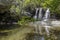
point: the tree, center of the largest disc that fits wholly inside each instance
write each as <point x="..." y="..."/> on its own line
<point x="52" y="4"/>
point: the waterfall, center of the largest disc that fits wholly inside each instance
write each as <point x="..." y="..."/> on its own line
<point x="46" y="20"/>
<point x="35" y="17"/>
<point x="47" y="15"/>
<point x="40" y="14"/>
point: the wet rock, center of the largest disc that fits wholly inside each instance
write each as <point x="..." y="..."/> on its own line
<point x="55" y="23"/>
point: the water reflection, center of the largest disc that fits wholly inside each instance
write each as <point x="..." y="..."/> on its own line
<point x="34" y="36"/>
<point x="8" y="26"/>
<point x="5" y="29"/>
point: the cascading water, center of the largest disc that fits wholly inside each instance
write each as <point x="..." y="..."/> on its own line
<point x="38" y="16"/>
<point x="35" y="17"/>
<point x="36" y="30"/>
<point x="47" y="15"/>
<point x="46" y="20"/>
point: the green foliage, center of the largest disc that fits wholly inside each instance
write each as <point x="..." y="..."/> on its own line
<point x="52" y="4"/>
<point x="34" y="3"/>
<point x="25" y="20"/>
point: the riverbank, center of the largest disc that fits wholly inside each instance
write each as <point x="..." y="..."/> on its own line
<point x="18" y="33"/>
